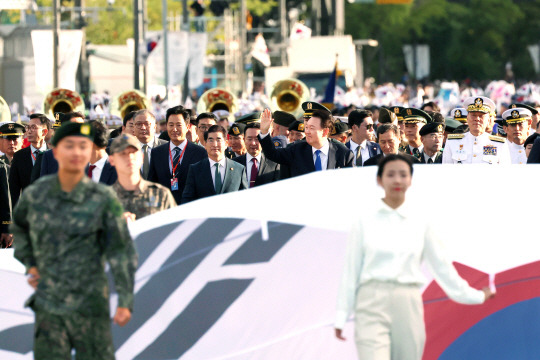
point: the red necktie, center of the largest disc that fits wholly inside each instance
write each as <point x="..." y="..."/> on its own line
<point x="91" y="170"/>
<point x="254" y="172"/>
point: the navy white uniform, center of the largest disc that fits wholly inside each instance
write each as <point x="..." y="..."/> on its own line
<point x="469" y="149"/>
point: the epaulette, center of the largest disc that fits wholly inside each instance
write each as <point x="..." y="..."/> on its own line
<point x="7" y="222"/>
<point x="455" y="136"/>
<point x="497" y="138"/>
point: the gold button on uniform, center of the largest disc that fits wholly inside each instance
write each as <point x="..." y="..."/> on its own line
<point x="474" y="155"/>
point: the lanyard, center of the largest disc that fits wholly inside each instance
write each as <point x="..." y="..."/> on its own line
<point x="34" y="156"/>
<point x="180" y="158"/>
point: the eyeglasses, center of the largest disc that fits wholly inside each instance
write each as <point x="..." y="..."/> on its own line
<point x="204" y="127"/>
<point x="32" y="127"/>
<point x="140" y="125"/>
<point x="216" y="141"/>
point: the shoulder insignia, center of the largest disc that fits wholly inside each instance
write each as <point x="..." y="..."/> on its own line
<point x="455" y="136"/>
<point x="497" y="138"/>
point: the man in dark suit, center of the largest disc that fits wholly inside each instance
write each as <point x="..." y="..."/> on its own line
<point x="100" y="169"/>
<point x="259" y="169"/>
<point x="315" y="154"/>
<point x="215" y="174"/>
<point x="389" y="140"/>
<point x="432" y="135"/>
<point x="170" y="162"/>
<point x="361" y="124"/>
<point x="145" y="132"/>
<point x="45" y="162"/>
<point x="24" y="159"/>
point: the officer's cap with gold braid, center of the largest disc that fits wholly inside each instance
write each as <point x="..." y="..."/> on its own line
<point x="459" y="114"/>
<point x="249" y="118"/>
<point x="283" y="118"/>
<point x="479" y="104"/>
<point x="432" y="128"/>
<point x="516" y="115"/>
<point x="73" y="129"/>
<point x="11" y="130"/>
<point x="398" y="110"/>
<point x="310" y="106"/>
<point x="525" y="106"/>
<point x="413" y="115"/>
<point x="340" y="128"/>
<point x="297" y="126"/>
<point x="237" y="129"/>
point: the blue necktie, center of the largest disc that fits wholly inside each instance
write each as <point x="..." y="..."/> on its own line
<point x="318" y="164"/>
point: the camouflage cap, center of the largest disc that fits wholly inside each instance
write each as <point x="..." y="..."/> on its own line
<point x="122" y="142"/>
<point x="72" y="129"/>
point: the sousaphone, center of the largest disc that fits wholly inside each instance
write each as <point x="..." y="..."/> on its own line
<point x="5" y="112"/>
<point x="64" y="101"/>
<point x="217" y="99"/>
<point x="128" y="101"/>
<point x="288" y="95"/>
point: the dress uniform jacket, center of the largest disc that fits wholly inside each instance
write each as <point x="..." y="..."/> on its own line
<point x="469" y="149"/>
<point x="375" y="160"/>
<point x="534" y="155"/>
<point x="299" y="156"/>
<point x="424" y="158"/>
<point x="517" y="153"/>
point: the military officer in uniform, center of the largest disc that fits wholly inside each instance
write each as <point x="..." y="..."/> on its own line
<point x="138" y="196"/>
<point x="432" y="135"/>
<point x="11" y="135"/>
<point x="459" y="114"/>
<point x="309" y="107"/>
<point x="535" y="116"/>
<point x="414" y="120"/>
<point x="237" y="145"/>
<point x="5" y="207"/>
<point x="516" y="127"/>
<point x="296" y="131"/>
<point x="280" y="130"/>
<point x="399" y="111"/>
<point x="476" y="146"/>
<point x="65" y="227"/>
<point x="341" y="132"/>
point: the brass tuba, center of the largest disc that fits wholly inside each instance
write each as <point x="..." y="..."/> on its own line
<point x="5" y="111"/>
<point x="129" y="101"/>
<point x="62" y="100"/>
<point x="288" y="95"/>
<point x="217" y="99"/>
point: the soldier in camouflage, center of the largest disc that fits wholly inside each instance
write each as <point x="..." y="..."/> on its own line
<point x="138" y="196"/>
<point x="65" y="227"/>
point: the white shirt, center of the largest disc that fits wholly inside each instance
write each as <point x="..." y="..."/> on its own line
<point x="222" y="170"/>
<point x="470" y="149"/>
<point x="43" y="148"/>
<point x="323" y="155"/>
<point x="517" y="153"/>
<point x="171" y="155"/>
<point x="249" y="165"/>
<point x="363" y="150"/>
<point x="389" y="245"/>
<point x="96" y="173"/>
<point x="410" y="149"/>
<point x="149" y="150"/>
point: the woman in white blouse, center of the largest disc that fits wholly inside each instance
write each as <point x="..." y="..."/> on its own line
<point x="382" y="276"/>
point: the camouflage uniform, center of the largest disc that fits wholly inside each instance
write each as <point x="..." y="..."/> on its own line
<point x="149" y="198"/>
<point x="68" y="237"/>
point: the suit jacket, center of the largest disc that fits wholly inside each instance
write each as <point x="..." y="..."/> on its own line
<point x="199" y="182"/>
<point x="108" y="174"/>
<point x="375" y="160"/>
<point x="438" y="158"/>
<point x="49" y="165"/>
<point x="159" y="166"/>
<point x="269" y="171"/>
<point x="373" y="148"/>
<point x="299" y="155"/>
<point x="20" y="173"/>
<point x="534" y="155"/>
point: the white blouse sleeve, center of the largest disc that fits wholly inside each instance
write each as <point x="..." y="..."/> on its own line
<point x="445" y="273"/>
<point x="351" y="276"/>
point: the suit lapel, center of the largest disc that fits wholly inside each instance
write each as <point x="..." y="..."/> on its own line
<point x="231" y="169"/>
<point x="207" y="174"/>
<point x="331" y="156"/>
<point x="262" y="166"/>
<point x="308" y="156"/>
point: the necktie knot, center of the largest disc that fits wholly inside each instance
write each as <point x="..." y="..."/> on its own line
<point x="91" y="170"/>
<point x="254" y="160"/>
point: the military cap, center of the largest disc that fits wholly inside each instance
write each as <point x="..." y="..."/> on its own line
<point x="11" y="130"/>
<point x="339" y="128"/>
<point x="524" y="106"/>
<point x="237" y="129"/>
<point x="72" y="129"/>
<point x="530" y="139"/>
<point x="221" y="114"/>
<point x="58" y="119"/>
<point x="249" y="118"/>
<point x="122" y="142"/>
<point x="413" y="115"/>
<point x="297" y="126"/>
<point x="431" y="128"/>
<point x="515" y="115"/>
<point x="451" y="124"/>
<point x="399" y="111"/>
<point x="480" y="104"/>
<point x="283" y="118"/>
<point x="459" y="114"/>
<point x="386" y="116"/>
<point x="310" y="106"/>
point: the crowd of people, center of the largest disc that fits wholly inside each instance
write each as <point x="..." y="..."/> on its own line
<point x="146" y="166"/>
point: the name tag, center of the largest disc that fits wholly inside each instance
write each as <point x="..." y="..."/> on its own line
<point x="490" y="150"/>
<point x="174" y="183"/>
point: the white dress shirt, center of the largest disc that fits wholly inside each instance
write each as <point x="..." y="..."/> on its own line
<point x="96" y="173"/>
<point x="43" y="148"/>
<point x="149" y="150"/>
<point x="517" y="153"/>
<point x="323" y="155"/>
<point x="389" y="245"/>
<point x="171" y="154"/>
<point x="470" y="149"/>
<point x="249" y="165"/>
<point x="222" y="170"/>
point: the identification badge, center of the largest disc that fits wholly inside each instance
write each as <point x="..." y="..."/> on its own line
<point x="490" y="150"/>
<point x="174" y="184"/>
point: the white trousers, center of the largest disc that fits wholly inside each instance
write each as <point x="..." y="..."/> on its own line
<point x="389" y="322"/>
